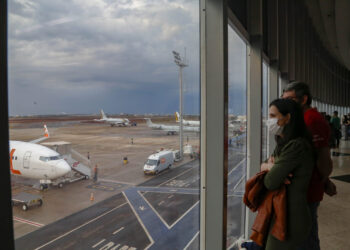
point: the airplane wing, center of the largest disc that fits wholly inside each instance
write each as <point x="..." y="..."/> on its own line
<point x="46" y="135"/>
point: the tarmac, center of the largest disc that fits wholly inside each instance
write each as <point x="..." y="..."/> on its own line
<point x="107" y="146"/>
<point x="123" y="209"/>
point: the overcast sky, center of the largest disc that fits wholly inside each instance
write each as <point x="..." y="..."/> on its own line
<point x="78" y="56"/>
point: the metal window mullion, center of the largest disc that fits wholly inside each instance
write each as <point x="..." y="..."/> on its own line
<point x="6" y="214"/>
<point x="273" y="94"/>
<point x="214" y="84"/>
<point x="253" y="117"/>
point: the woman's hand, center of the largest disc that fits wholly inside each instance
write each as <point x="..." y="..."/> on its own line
<point x="266" y="166"/>
<point x="271" y="160"/>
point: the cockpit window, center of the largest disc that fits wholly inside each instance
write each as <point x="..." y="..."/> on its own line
<point x="43" y="158"/>
<point x="54" y="158"/>
<point x="50" y="158"/>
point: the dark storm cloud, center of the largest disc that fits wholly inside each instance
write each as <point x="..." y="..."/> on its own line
<point x="80" y="56"/>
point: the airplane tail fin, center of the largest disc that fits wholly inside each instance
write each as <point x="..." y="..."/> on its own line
<point x="46" y="131"/>
<point x="148" y="121"/>
<point x="103" y="115"/>
<point x="177" y="116"/>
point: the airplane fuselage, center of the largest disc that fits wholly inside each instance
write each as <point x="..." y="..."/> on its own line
<point x="170" y="128"/>
<point x="36" y="161"/>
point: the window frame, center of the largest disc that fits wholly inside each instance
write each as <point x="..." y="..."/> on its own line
<point x="5" y="183"/>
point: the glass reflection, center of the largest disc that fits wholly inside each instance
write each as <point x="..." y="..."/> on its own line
<point x="101" y="76"/>
<point x="237" y="134"/>
<point x="264" y="111"/>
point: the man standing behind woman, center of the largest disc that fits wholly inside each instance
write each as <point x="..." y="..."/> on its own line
<point x="320" y="182"/>
<point x="286" y="176"/>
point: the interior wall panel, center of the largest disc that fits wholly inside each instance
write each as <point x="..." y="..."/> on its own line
<point x="283" y="36"/>
<point x="293" y="40"/>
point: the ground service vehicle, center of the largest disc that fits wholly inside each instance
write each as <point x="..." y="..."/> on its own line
<point x="158" y="162"/>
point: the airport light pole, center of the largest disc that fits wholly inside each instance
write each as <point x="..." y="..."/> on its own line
<point x="181" y="63"/>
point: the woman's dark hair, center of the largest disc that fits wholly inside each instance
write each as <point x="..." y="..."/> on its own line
<point x="295" y="128"/>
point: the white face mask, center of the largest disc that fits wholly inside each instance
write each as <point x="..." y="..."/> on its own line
<point x="272" y="125"/>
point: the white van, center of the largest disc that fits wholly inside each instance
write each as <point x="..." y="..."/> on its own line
<point x="158" y="162"/>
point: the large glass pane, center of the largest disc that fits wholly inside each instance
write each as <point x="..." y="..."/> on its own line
<point x="101" y="80"/>
<point x="264" y="111"/>
<point x="280" y="87"/>
<point x="237" y="152"/>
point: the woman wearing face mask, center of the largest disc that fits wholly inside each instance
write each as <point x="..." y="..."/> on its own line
<point x="292" y="164"/>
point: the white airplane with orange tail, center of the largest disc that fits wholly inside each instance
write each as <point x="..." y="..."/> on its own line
<point x="31" y="160"/>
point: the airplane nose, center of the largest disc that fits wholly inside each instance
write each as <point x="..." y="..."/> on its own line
<point x="62" y="168"/>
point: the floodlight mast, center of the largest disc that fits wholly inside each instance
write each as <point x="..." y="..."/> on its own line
<point x="181" y="63"/>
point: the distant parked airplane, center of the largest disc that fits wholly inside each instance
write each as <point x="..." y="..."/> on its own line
<point x="171" y="129"/>
<point x="113" y="121"/>
<point x="233" y="127"/>
<point x="185" y="122"/>
<point x="28" y="159"/>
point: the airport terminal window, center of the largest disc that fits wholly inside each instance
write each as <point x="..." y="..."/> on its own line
<point x="101" y="81"/>
<point x="265" y="106"/>
<point x="237" y="153"/>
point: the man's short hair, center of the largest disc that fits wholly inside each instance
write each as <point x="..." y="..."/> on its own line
<point x="300" y="89"/>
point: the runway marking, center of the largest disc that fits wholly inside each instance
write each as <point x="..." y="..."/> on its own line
<point x="36" y="224"/>
<point x="140" y="221"/>
<point x="154" y="210"/>
<point x="86" y="223"/>
<point x="188" y="210"/>
<point x="235" y="195"/>
<point x="240" y="180"/>
<point x="236" y="241"/>
<point x="108" y="246"/>
<point x="176" y="176"/>
<point x="189" y="243"/>
<point x="115" y="248"/>
<point x="120" y="229"/>
<point x="98" y="243"/>
<point x="171" y="190"/>
<point x="237" y="165"/>
<point x="117" y="182"/>
<point x="101" y="187"/>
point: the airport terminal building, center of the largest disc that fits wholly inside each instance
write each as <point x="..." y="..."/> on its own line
<point x="239" y="56"/>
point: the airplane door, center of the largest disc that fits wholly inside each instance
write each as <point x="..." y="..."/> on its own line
<point x="26" y="159"/>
